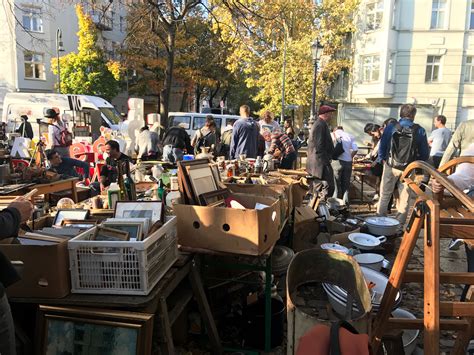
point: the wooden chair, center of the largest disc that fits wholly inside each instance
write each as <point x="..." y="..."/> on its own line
<point x="428" y="213"/>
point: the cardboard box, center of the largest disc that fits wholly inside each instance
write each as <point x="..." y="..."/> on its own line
<point x="44" y="270"/>
<point x="280" y="192"/>
<point x="249" y="231"/>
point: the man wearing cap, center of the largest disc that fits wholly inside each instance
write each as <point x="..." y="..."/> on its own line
<point x="55" y="131"/>
<point x="320" y="149"/>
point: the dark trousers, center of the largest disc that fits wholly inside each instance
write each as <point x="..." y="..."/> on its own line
<point x="288" y="160"/>
<point x="325" y="186"/>
<point x="7" y="328"/>
<point x="343" y="172"/>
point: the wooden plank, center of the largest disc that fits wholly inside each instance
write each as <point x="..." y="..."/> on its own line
<point x="205" y="310"/>
<point x="457" y="309"/>
<point x="445" y="324"/>
<point x="168" y="347"/>
<point x="182" y="299"/>
<point x="394" y="282"/>
<point x="431" y="280"/>
<point x="463" y="339"/>
<point x="463" y="231"/>
<point x="444" y="277"/>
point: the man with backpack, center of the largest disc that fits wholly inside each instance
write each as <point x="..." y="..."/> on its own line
<point x="401" y="144"/>
<point x="206" y="136"/>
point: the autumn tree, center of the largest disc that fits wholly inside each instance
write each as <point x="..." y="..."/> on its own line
<point x="87" y="71"/>
<point x="257" y="32"/>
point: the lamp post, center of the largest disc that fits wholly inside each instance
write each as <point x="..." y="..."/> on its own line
<point x="316" y="51"/>
<point x="283" y="79"/>
<point x="59" y="48"/>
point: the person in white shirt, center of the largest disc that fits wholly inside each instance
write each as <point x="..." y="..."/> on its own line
<point x="439" y="140"/>
<point x="343" y="164"/>
<point x="55" y="131"/>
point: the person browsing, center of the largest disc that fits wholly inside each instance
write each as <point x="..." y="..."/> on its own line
<point x="109" y="172"/>
<point x="25" y="128"/>
<point x="175" y="142"/>
<point x="66" y="166"/>
<point x="58" y="135"/>
<point x="283" y="147"/>
<point x="439" y="140"/>
<point x="343" y="164"/>
<point x="244" y="135"/>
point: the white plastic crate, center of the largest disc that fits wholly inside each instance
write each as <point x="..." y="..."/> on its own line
<point x="122" y="268"/>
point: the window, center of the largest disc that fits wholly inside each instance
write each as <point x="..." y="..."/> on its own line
<point x="199" y="122"/>
<point x="122" y="24"/>
<point x="32" y="20"/>
<point x="471" y="22"/>
<point x="34" y="66"/>
<point x="391" y="68"/>
<point x="433" y="64"/>
<point x="438" y="14"/>
<point x="374" y="11"/>
<point x="469" y="70"/>
<point x="181" y="121"/>
<point x="370" y="68"/>
<point x="112" y="15"/>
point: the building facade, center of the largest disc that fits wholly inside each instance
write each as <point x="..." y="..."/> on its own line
<point x="28" y="40"/>
<point x="407" y="51"/>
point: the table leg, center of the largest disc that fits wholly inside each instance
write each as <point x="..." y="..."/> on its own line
<point x="168" y="347"/>
<point x="268" y="303"/>
<point x="362" y="188"/>
<point x="74" y="191"/>
<point x="205" y="310"/>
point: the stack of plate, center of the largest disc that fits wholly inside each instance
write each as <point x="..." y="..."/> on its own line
<point x="338" y="296"/>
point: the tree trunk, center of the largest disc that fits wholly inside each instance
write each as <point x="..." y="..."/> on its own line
<point x="213" y="94"/>
<point x="197" y="99"/>
<point x="183" y="107"/>
<point x="166" y="93"/>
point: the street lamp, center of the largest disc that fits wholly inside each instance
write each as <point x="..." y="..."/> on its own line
<point x="316" y="51"/>
<point x="283" y="79"/>
<point x="59" y="48"/>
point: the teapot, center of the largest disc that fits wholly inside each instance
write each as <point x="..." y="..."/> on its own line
<point x="268" y="163"/>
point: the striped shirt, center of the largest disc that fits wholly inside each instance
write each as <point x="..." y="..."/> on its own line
<point x="282" y="142"/>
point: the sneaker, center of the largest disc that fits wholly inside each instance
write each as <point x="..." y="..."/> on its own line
<point x="455" y="244"/>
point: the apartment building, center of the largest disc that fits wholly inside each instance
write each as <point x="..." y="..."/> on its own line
<point x="28" y="40"/>
<point x="411" y="51"/>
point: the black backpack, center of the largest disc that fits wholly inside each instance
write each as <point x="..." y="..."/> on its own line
<point x="403" y="146"/>
<point x="203" y="141"/>
<point x="338" y="149"/>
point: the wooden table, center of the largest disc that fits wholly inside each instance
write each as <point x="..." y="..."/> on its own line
<point x="171" y="287"/>
<point x="61" y="185"/>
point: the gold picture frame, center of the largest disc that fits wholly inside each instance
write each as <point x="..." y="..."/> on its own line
<point x="68" y="329"/>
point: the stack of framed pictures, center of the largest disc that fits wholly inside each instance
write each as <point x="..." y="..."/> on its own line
<point x="197" y="178"/>
<point x="137" y="228"/>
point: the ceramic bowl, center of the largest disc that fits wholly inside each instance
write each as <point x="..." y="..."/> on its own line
<point x="366" y="241"/>
<point x="382" y="225"/>
<point x="335" y="247"/>
<point x="370" y="260"/>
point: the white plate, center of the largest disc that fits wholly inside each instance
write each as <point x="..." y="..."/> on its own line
<point x="366" y="241"/>
<point x="382" y="221"/>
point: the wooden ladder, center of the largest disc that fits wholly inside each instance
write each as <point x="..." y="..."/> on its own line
<point x="426" y="214"/>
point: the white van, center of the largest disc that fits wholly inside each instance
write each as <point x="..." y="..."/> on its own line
<point x="80" y="108"/>
<point x="192" y="121"/>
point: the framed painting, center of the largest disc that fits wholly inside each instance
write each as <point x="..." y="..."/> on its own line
<point x="139" y="209"/>
<point x="89" y="331"/>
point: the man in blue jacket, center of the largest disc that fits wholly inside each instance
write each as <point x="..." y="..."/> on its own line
<point x="244" y="135"/>
<point x="401" y="144"/>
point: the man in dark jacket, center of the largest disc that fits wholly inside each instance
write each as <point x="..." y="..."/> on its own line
<point x="244" y="135"/>
<point x="320" y="149"/>
<point x="11" y="217"/>
<point x="175" y="141"/>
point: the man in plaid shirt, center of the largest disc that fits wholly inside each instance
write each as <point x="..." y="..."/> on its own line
<point x="281" y="147"/>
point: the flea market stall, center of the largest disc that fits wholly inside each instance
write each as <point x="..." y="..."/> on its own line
<point x="224" y="256"/>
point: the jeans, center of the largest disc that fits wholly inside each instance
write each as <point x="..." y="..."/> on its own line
<point x="343" y="172"/>
<point x="288" y="160"/>
<point x="7" y="328"/>
<point x="390" y="180"/>
<point x="172" y="154"/>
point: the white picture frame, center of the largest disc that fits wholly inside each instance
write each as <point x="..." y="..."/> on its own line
<point x="151" y="210"/>
<point x="78" y="214"/>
